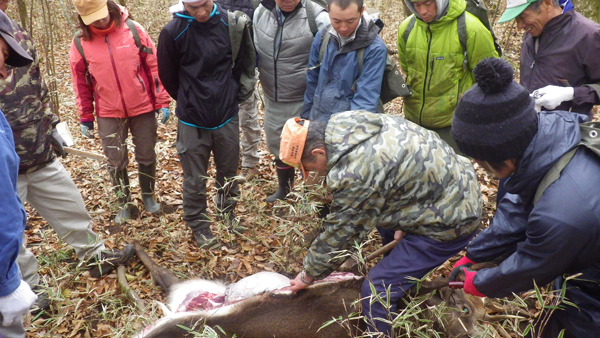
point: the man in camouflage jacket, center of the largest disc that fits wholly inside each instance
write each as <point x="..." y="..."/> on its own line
<point x="386" y="172"/>
<point x="42" y="180"/>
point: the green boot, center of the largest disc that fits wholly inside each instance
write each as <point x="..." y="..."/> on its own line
<point x="147" y="175"/>
<point x="120" y="181"/>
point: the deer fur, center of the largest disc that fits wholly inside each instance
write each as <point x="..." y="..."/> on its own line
<point x="279" y="314"/>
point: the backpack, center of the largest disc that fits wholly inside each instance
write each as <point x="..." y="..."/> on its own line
<point x="392" y="84"/>
<point x="478" y="9"/>
<point x="136" y="39"/>
<point x="312" y="20"/>
<point x="237" y="21"/>
<point x="590" y="138"/>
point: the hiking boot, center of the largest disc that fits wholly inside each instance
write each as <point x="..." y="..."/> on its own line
<point x="204" y="238"/>
<point x="249" y="173"/>
<point x="42" y="304"/>
<point x="231" y="222"/>
<point x="109" y="260"/>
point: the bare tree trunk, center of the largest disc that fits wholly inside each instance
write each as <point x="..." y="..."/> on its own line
<point x="49" y="53"/>
<point x="68" y="16"/>
<point x="22" y="8"/>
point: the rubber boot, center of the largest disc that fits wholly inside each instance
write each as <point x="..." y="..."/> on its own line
<point x="285" y="176"/>
<point x="121" y="185"/>
<point x="147" y="174"/>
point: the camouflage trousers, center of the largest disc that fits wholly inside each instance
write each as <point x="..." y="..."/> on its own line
<point x="250" y="135"/>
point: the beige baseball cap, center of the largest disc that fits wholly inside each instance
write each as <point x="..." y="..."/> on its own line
<point x="293" y="138"/>
<point x="91" y="10"/>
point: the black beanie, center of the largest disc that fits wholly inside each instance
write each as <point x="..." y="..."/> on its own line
<point x="495" y="120"/>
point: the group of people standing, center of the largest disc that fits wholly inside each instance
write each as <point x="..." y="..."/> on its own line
<point x="321" y="70"/>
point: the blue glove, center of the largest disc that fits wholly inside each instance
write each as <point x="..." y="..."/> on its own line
<point x="165" y="114"/>
<point x="87" y="128"/>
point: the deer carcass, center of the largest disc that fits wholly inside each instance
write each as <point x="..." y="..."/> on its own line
<point x="262" y="306"/>
<point x="258" y="306"/>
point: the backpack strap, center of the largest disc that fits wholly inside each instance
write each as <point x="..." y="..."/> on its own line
<point x="409" y="28"/>
<point x="77" y="39"/>
<point x="312" y="20"/>
<point x="554" y="173"/>
<point x="237" y="22"/>
<point x="360" y="58"/>
<point x="325" y="36"/>
<point x="461" y="26"/>
<point x="136" y="37"/>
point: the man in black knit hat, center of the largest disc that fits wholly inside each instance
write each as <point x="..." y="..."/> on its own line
<point x="535" y="242"/>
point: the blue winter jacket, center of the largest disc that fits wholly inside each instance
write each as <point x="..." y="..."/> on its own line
<point x="558" y="236"/>
<point x="12" y="213"/>
<point x="329" y="87"/>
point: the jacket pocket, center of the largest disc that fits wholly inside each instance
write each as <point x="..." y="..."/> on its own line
<point x="137" y="75"/>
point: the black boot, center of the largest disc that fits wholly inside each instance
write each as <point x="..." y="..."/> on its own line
<point x="147" y="175"/>
<point x="121" y="185"/>
<point x="202" y="234"/>
<point x="108" y="260"/>
<point x="285" y="176"/>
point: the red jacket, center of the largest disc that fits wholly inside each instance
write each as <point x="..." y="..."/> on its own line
<point x="125" y="81"/>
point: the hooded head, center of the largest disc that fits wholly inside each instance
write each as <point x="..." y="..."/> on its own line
<point x="422" y="9"/>
<point x="17" y="56"/>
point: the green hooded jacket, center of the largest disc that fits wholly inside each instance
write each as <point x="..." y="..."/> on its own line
<point x="386" y="171"/>
<point x="432" y="60"/>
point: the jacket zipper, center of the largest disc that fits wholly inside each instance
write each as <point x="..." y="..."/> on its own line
<point x="426" y="74"/>
<point x="112" y="60"/>
<point x="139" y="78"/>
<point x="431" y="77"/>
<point x="275" y="57"/>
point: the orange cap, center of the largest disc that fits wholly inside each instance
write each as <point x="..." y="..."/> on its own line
<point x="293" y="138"/>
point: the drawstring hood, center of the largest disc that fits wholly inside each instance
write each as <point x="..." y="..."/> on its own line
<point x="190" y="19"/>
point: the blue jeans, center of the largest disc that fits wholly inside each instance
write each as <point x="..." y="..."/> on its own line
<point x="414" y="256"/>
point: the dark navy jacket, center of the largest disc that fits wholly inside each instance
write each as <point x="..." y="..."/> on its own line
<point x="558" y="236"/>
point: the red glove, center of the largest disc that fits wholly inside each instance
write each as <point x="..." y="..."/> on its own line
<point x="469" y="287"/>
<point x="464" y="260"/>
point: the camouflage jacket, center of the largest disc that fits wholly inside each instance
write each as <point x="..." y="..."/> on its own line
<point x="386" y="171"/>
<point x="25" y="101"/>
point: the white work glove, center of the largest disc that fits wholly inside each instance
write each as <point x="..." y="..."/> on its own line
<point x="15" y="305"/>
<point x="551" y="97"/>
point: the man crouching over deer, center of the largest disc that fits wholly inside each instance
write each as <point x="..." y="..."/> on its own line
<point x="387" y="173"/>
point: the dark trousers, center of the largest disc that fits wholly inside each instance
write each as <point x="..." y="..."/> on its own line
<point x="414" y="256"/>
<point x="194" y="146"/>
<point x="113" y="133"/>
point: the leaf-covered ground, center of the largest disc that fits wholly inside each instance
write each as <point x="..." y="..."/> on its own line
<point x="274" y="238"/>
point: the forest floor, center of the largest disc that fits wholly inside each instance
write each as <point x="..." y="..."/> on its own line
<point x="275" y="236"/>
